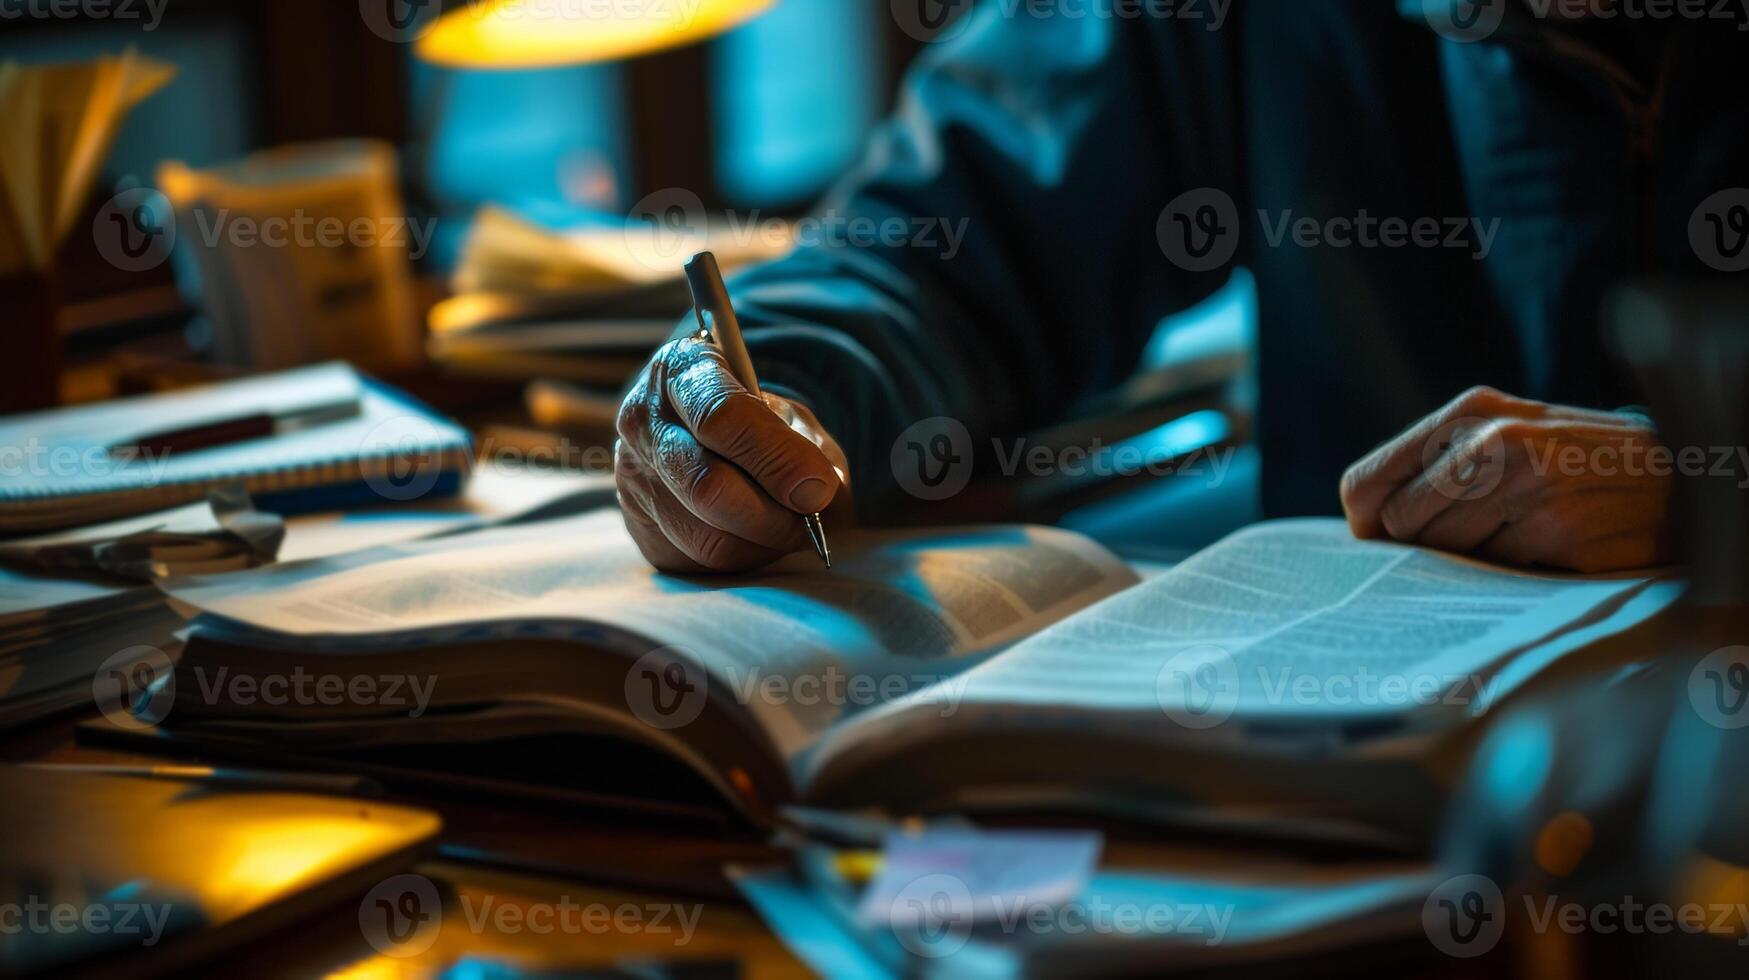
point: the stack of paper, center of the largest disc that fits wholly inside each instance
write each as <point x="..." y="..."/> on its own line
<point x="506" y="253"/>
<point x="67" y="604"/>
<point x="57" y="123"/>
<point x="56" y="633"/>
<point x="223" y="533"/>
<point x="583" y="305"/>
<point x="592" y="338"/>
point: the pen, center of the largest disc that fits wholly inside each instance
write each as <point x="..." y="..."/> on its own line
<point x="709" y="294"/>
<point x="233" y="429"/>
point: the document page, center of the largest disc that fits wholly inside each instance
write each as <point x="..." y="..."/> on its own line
<point x="1285" y="622"/>
<point x="798" y="644"/>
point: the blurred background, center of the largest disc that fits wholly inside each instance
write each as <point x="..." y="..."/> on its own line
<point x="518" y="183"/>
<point x="760" y="117"/>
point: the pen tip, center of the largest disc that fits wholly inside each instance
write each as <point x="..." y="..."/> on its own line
<point x="817" y="534"/>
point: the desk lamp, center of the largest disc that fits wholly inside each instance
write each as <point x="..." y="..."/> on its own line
<point x="523" y="34"/>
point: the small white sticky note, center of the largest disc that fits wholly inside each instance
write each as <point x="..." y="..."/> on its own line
<point x="968" y="876"/>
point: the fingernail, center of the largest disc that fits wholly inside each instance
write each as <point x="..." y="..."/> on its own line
<point x="811" y="495"/>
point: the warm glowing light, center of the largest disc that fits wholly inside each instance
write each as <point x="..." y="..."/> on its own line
<point x="289" y="854"/>
<point x="1563" y="843"/>
<point x="1710" y="883"/>
<point x="529" y="34"/>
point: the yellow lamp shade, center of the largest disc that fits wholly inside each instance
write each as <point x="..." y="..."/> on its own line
<point x="547" y="33"/>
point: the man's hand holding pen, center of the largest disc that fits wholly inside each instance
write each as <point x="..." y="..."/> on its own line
<point x="713" y="478"/>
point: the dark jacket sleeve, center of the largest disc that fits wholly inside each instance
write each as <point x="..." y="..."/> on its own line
<point x="994" y="258"/>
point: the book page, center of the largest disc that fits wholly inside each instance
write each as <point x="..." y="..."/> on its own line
<point x="1285" y="623"/>
<point x="798" y="645"/>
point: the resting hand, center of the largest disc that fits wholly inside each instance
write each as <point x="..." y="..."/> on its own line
<point x="1519" y="481"/>
<point x="710" y="477"/>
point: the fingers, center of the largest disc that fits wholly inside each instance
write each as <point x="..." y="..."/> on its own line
<point x="1371" y="481"/>
<point x="1463" y="528"/>
<point x="802" y="419"/>
<point x="1538" y="485"/>
<point x="719" y="493"/>
<point x="700" y="460"/>
<point x="674" y="539"/>
<point x="739" y="426"/>
<point x="1470" y="467"/>
<point x="652" y="543"/>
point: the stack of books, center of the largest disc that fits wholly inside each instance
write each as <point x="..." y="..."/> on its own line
<point x="586" y="306"/>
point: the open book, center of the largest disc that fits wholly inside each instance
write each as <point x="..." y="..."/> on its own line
<point x="996" y="666"/>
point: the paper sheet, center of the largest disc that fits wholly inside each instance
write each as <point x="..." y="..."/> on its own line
<point x="495" y="494"/>
<point x="1294" y="618"/>
<point x="903" y="610"/>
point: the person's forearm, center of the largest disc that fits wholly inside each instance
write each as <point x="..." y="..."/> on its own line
<point x="996" y="258"/>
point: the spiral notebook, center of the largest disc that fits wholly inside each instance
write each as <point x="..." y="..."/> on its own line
<point x="61" y="471"/>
